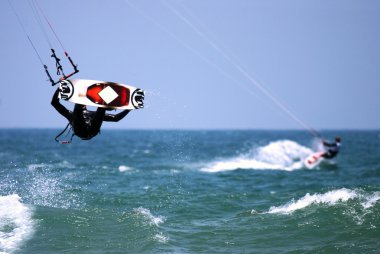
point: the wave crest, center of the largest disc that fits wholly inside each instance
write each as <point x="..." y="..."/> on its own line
<point x="329" y="198"/>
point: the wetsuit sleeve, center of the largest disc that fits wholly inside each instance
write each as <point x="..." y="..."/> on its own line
<point x="59" y="107"/>
<point x="327" y="144"/>
<point x="117" y="117"/>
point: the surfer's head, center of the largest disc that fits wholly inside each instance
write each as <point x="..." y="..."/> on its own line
<point x="337" y="139"/>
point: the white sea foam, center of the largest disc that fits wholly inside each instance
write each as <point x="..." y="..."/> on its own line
<point x="123" y="168"/>
<point x="371" y="200"/>
<point x="16" y="224"/>
<point x="152" y="220"/>
<point x="279" y="155"/>
<point x="65" y="164"/>
<point x="37" y="166"/>
<point x="161" y="238"/>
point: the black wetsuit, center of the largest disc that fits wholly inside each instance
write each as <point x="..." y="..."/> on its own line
<point x="86" y="124"/>
<point x="332" y="150"/>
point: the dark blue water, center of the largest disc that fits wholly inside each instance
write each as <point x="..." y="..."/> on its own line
<point x="188" y="192"/>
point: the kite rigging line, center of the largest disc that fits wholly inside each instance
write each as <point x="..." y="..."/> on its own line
<point x="226" y="57"/>
<point x="239" y="68"/>
<point x="37" y="13"/>
<point x="190" y="48"/>
<point x="39" y="21"/>
<point x="26" y="33"/>
<point x="60" y="42"/>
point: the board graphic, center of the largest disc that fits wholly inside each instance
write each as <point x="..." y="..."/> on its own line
<point x="101" y="94"/>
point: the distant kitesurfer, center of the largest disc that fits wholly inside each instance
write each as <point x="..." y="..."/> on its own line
<point x="85" y="124"/>
<point x="332" y="148"/>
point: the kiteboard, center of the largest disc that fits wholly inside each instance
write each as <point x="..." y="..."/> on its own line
<point x="101" y="94"/>
<point x="313" y="160"/>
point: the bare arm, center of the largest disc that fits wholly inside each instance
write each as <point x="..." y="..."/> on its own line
<point x="117" y="117"/>
<point x="59" y="107"/>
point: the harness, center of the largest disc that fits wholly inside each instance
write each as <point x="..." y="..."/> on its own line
<point x="67" y="130"/>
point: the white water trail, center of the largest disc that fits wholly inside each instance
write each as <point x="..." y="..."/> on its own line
<point x="278" y="155"/>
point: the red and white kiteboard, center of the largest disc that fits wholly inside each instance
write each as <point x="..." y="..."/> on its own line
<point x="313" y="160"/>
<point x="101" y="94"/>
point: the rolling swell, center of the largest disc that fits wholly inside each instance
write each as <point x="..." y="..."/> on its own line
<point x="187" y="192"/>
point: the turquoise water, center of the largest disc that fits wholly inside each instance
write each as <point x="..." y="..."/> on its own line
<point x="188" y="192"/>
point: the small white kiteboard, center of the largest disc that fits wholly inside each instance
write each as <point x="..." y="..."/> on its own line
<point x="313" y="160"/>
<point x="101" y="94"/>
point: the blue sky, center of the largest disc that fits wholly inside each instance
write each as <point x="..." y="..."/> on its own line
<point x="321" y="59"/>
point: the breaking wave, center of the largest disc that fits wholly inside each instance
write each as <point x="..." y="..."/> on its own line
<point x="150" y="219"/>
<point x="330" y="198"/>
<point x="279" y="155"/>
<point x="16" y="224"/>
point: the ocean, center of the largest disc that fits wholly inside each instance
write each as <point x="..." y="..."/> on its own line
<point x="177" y="191"/>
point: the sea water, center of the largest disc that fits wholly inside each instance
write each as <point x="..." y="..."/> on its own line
<point x="129" y="191"/>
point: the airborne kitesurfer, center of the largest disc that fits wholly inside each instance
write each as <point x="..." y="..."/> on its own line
<point x="332" y="148"/>
<point x="85" y="124"/>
